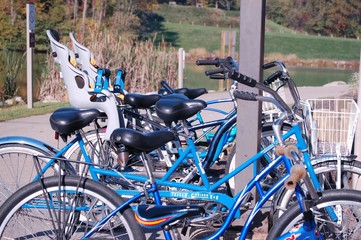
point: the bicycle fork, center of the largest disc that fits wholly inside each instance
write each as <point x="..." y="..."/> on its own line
<point x="297" y="172"/>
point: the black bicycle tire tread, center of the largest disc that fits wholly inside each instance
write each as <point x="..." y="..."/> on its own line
<point x="294" y="211"/>
<point x="69" y="180"/>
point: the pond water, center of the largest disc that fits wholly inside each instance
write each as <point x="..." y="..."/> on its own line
<point x="194" y="76"/>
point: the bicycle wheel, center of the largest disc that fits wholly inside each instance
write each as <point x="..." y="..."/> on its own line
<point x="345" y="202"/>
<point x="327" y="175"/>
<point x="267" y="137"/>
<point x="95" y="146"/>
<point x="65" y="207"/>
<point x="17" y="167"/>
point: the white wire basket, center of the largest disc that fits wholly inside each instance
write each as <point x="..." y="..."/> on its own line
<point x="331" y="125"/>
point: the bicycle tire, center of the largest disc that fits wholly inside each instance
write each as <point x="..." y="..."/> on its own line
<point x="44" y="209"/>
<point x="350" y="169"/>
<point x="337" y="198"/>
<point x="17" y="167"/>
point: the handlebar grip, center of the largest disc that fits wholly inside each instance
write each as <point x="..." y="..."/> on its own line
<point x="298" y="172"/>
<point x="217" y="77"/>
<point x="166" y="86"/>
<point x="214" y="62"/>
<point x="245" y="95"/>
<point x="269" y="65"/>
<point x="239" y="77"/>
<point x="273" y="77"/>
<point x="215" y="71"/>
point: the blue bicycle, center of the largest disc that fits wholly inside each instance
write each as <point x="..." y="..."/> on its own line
<point x="83" y="208"/>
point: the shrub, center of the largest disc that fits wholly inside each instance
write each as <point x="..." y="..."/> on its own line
<point x="10" y="67"/>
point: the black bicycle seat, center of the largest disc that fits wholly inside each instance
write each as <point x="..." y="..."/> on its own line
<point x="171" y="110"/>
<point x="140" y="100"/>
<point x="139" y="141"/>
<point x="68" y="120"/>
<point x="196" y="92"/>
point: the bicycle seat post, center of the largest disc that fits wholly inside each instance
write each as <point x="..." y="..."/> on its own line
<point x="148" y="168"/>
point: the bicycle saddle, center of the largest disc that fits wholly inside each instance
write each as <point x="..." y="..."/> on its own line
<point x="141" y="101"/>
<point x="147" y="100"/>
<point x="171" y="110"/>
<point x="68" y="120"/>
<point x="153" y="216"/>
<point x="190" y="93"/>
<point x="139" y="141"/>
<point x="175" y="96"/>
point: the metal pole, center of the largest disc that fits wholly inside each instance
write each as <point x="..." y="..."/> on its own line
<point x="223" y="54"/>
<point x="356" y="183"/>
<point x="30" y="44"/>
<point x="251" y="46"/>
<point x="181" y="60"/>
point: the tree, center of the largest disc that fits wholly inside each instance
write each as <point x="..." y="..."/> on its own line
<point x="276" y="10"/>
<point x="224" y="4"/>
<point x="12" y="24"/>
<point x="336" y="17"/>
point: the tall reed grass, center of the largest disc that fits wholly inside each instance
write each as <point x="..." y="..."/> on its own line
<point x="145" y="62"/>
<point x="52" y="87"/>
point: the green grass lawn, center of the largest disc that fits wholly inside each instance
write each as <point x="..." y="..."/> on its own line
<point x="190" y="36"/>
<point x="308" y="47"/>
<point x="196" y="28"/>
<point x="21" y="110"/>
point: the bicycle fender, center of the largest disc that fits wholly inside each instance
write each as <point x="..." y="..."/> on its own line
<point x="29" y="142"/>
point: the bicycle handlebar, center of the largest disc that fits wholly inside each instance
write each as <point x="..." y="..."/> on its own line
<point x="274" y="76"/>
<point x="229" y="66"/>
<point x="269" y="65"/>
<point x="217" y="77"/>
<point x="215" y="62"/>
<point x="245" y="95"/>
<point x="239" y="77"/>
<point x="215" y="71"/>
<point x="274" y="64"/>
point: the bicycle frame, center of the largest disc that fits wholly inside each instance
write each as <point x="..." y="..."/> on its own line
<point x="208" y="190"/>
<point x="225" y="134"/>
<point x="239" y="198"/>
<point x="201" y="123"/>
<point x="234" y="209"/>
